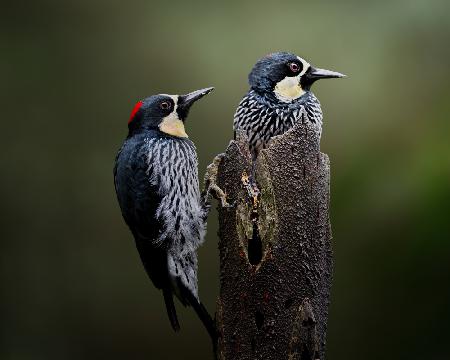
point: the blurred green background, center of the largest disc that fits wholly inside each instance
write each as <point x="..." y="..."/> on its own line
<point x="70" y="72"/>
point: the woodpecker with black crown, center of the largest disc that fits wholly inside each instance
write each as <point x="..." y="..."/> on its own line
<point x="156" y="181"/>
<point x="279" y="97"/>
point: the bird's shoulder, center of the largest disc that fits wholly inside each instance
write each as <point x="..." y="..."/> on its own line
<point x="131" y="159"/>
<point x="137" y="194"/>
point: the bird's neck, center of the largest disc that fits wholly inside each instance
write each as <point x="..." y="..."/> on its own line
<point x="152" y="131"/>
<point x="142" y="128"/>
<point x="268" y="98"/>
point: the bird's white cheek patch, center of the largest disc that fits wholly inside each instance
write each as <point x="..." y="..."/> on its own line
<point x="289" y="89"/>
<point x="172" y="125"/>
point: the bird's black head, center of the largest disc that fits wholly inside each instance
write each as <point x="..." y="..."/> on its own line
<point x="285" y="76"/>
<point x="165" y="113"/>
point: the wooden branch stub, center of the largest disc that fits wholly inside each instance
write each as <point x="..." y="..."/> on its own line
<point x="275" y="250"/>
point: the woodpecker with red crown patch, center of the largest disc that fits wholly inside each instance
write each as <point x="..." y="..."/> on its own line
<point x="157" y="186"/>
<point x="279" y="97"/>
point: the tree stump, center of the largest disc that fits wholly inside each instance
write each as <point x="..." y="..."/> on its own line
<point x="275" y="249"/>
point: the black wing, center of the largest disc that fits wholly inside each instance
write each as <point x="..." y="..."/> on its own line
<point x="139" y="199"/>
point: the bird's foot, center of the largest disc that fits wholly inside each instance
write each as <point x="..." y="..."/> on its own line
<point x="220" y="195"/>
<point x="210" y="185"/>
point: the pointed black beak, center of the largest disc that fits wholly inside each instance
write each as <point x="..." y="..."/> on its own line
<point x="313" y="74"/>
<point x="185" y="101"/>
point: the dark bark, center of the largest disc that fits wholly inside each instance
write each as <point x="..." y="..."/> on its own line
<point x="275" y="250"/>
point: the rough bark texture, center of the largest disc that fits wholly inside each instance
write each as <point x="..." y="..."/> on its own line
<point x="275" y="250"/>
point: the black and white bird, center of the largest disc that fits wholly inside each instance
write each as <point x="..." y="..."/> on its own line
<point x="279" y="97"/>
<point x="156" y="181"/>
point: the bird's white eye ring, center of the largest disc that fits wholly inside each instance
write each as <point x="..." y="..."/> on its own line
<point x="294" y="67"/>
<point x="165" y="105"/>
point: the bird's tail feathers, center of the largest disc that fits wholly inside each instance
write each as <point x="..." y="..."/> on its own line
<point x="170" y="307"/>
<point x="201" y="311"/>
<point x="206" y="319"/>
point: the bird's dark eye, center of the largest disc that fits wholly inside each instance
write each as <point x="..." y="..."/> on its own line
<point x="165" y="105"/>
<point x="294" y="67"/>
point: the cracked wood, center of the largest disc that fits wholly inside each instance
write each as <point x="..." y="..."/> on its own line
<point x="275" y="305"/>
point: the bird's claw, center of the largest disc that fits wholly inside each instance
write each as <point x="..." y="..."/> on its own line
<point x="215" y="191"/>
<point x="211" y="187"/>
